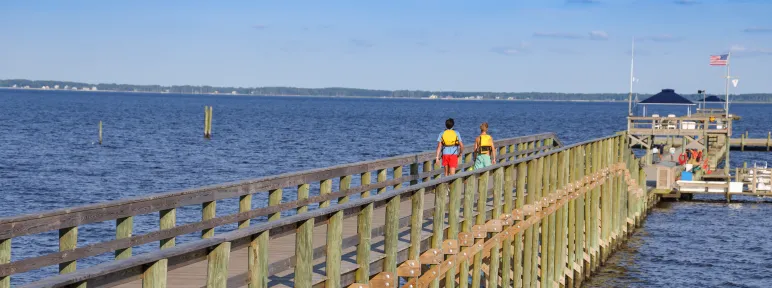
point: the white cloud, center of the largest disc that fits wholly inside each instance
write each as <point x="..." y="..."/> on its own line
<point x="598" y="35"/>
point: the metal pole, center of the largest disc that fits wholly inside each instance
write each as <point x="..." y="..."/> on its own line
<point x="728" y="57"/>
<point x="630" y="96"/>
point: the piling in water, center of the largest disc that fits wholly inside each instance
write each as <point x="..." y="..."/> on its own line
<point x="100" y="132"/>
<point x="208" y="122"/>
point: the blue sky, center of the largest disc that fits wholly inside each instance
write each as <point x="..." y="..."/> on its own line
<point x="514" y="46"/>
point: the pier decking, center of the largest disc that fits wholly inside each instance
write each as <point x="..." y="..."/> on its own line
<point x="547" y="213"/>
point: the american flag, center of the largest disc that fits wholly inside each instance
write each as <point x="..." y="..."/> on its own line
<point x="719" y="60"/>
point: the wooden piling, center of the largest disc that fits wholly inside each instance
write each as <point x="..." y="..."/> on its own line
<point x="100" y="132"/>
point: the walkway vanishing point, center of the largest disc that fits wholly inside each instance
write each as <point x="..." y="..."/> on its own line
<point x="547" y="215"/>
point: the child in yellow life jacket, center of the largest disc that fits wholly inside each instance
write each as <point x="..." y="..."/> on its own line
<point x="484" y="148"/>
<point x="450" y="147"/>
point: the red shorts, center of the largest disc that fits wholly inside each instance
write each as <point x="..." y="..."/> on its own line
<point x="450" y="160"/>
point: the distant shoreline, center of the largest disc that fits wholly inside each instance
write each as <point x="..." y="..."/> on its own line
<point x="330" y="96"/>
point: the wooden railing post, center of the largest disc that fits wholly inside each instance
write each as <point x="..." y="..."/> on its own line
<point x="529" y="232"/>
<point x="581" y="217"/>
<point x="155" y="274"/>
<point x="391" y="236"/>
<point x="482" y="198"/>
<point x="208" y="211"/>
<point x="245" y="204"/>
<point x="507" y="246"/>
<point x="466" y="226"/>
<point x="5" y="258"/>
<point x="167" y="220"/>
<point x="548" y="233"/>
<point x="438" y="221"/>
<point x="257" y="259"/>
<point x="217" y="268"/>
<point x="454" y="205"/>
<point x="520" y="199"/>
<point x="335" y="239"/>
<point x="123" y="229"/>
<point x="498" y="190"/>
<point x="68" y="240"/>
<point x="304" y="243"/>
<point x="364" y="230"/>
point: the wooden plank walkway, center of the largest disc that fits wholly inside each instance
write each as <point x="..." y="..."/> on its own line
<point x="280" y="248"/>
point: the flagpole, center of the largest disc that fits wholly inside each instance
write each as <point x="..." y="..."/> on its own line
<point x="726" y="98"/>
<point x="630" y="96"/>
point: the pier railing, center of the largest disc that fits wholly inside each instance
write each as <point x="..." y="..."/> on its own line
<point x="548" y="218"/>
<point x="379" y="175"/>
<point x="688" y="126"/>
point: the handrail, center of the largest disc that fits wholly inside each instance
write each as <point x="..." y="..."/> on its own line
<point x="161" y="201"/>
<point x="197" y="249"/>
<point x="63" y="219"/>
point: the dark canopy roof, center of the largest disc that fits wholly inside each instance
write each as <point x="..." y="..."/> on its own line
<point x="713" y="98"/>
<point x="667" y="97"/>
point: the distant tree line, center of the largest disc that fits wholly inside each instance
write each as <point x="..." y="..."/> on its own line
<point x="354" y="92"/>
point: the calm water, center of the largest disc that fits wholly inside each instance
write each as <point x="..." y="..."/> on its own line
<point x="153" y="143"/>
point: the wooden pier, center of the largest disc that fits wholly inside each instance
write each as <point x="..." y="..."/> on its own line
<point x="547" y="215"/>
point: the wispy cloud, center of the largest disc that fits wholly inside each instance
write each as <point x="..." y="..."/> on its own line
<point x="686" y="2"/>
<point x="758" y="30"/>
<point x="592" y="35"/>
<point x="661" y="38"/>
<point x="523" y="48"/>
<point x="360" y="43"/>
<point x="558" y="35"/>
<point x="741" y="50"/>
<point x="598" y="35"/>
<point x="259" y="26"/>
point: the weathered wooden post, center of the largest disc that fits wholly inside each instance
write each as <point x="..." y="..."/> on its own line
<point x="5" y="258"/>
<point x="123" y="229"/>
<point x="528" y="249"/>
<point x="364" y="230"/>
<point x="100" y="132"/>
<point x="303" y="243"/>
<point x="454" y="205"/>
<point x="217" y="268"/>
<point x="208" y="122"/>
<point x="482" y="196"/>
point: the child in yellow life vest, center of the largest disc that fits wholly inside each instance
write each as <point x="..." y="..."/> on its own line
<point x="484" y="148"/>
<point x="450" y="147"/>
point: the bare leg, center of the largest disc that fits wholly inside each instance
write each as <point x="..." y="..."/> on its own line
<point x="452" y="170"/>
<point x="447" y="170"/>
